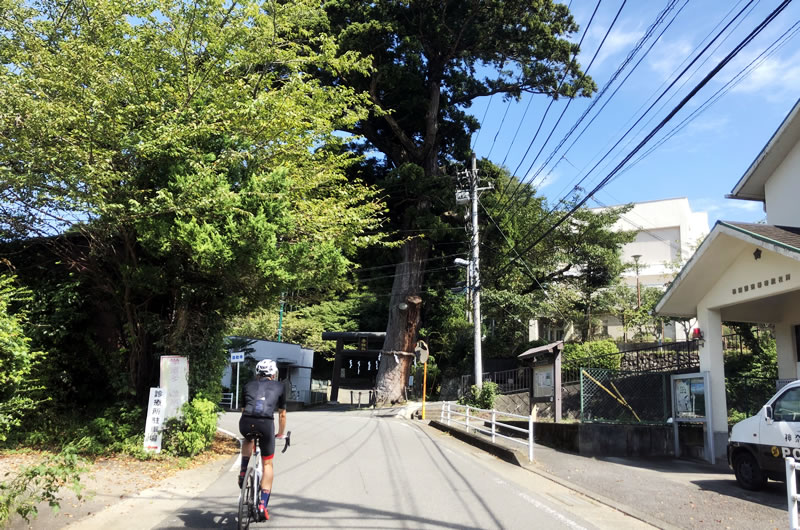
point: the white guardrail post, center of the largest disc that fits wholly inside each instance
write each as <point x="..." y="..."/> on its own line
<point x="448" y="413"/>
<point x="441" y="412"/>
<point x="791" y="492"/>
<point x="467" y="418"/>
<point x="494" y="418"/>
<point x="530" y="438"/>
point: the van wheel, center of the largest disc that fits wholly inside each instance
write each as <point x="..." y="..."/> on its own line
<point x="748" y="472"/>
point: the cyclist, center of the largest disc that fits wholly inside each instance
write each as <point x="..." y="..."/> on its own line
<point x="262" y="396"/>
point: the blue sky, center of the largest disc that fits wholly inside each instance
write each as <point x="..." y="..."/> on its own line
<point x="703" y="160"/>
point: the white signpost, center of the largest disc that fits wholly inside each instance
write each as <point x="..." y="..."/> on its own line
<point x="238" y="359"/>
<point x="155" y="420"/>
<point x="174" y="382"/>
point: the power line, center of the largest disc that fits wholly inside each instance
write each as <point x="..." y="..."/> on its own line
<point x="514" y="138"/>
<point x="566" y="107"/>
<point x="530" y="272"/>
<point x="564" y="192"/>
<point x="755" y="32"/>
<point x="576" y="186"/>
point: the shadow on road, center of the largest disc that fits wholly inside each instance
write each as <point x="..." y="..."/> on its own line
<point x="773" y="495"/>
<point x="290" y="509"/>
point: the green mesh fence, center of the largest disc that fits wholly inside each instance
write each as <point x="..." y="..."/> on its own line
<point x="614" y="396"/>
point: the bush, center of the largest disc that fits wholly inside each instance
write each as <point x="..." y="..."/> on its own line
<point x="39" y="483"/>
<point x="482" y="398"/>
<point x="595" y="354"/>
<point x="193" y="432"/>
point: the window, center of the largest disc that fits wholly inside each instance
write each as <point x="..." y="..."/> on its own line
<point x="787" y="407"/>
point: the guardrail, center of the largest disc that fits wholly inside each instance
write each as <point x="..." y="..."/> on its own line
<point x="791" y="492"/>
<point x="227" y="400"/>
<point x="469" y="413"/>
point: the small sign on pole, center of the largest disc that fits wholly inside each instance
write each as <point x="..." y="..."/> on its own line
<point x="155" y="420"/>
<point x="237" y="357"/>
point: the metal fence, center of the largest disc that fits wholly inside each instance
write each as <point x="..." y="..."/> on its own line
<point x="667" y="357"/>
<point x="472" y="420"/>
<point x="227" y="400"/>
<point x="618" y="396"/>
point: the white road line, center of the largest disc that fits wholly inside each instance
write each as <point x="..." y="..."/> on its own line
<point x="236" y="462"/>
<point x="544" y="507"/>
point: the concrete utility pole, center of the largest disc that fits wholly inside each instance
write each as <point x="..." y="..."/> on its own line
<point x="473" y="271"/>
<point x="476" y="276"/>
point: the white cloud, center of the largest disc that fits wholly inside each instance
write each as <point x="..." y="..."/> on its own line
<point x="776" y="78"/>
<point x="666" y="56"/>
<point x="617" y="41"/>
<point x="729" y="209"/>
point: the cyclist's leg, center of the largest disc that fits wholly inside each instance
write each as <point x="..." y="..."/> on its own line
<point x="246" y="428"/>
<point x="267" y="453"/>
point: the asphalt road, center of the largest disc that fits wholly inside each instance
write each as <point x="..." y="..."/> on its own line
<point x="360" y="470"/>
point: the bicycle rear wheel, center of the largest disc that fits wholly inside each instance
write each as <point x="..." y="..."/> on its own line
<point x="246" y="507"/>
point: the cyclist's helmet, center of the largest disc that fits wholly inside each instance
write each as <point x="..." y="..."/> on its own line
<point x="266" y="367"/>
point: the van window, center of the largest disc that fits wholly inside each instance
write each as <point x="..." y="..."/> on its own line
<point x="787" y="407"/>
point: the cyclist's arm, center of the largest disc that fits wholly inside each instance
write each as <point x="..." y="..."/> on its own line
<point x="281" y="423"/>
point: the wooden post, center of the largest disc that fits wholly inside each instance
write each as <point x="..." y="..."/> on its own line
<point x="337" y="370"/>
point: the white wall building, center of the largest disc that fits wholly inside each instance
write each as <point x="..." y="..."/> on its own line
<point x="294" y="362"/>
<point x="668" y="231"/>
<point x="746" y="272"/>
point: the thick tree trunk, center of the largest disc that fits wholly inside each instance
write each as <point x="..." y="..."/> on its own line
<point x="404" y="318"/>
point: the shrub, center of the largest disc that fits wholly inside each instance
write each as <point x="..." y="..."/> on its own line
<point x="595" y="354"/>
<point x="39" y="483"/>
<point x="193" y="431"/>
<point x="482" y="398"/>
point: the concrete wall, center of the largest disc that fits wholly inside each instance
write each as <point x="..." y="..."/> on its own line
<point x="601" y="439"/>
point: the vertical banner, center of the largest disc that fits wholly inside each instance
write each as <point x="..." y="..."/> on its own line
<point x="155" y="421"/>
<point x="174" y="382"/>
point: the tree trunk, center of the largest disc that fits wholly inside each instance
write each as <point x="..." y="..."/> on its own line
<point x="404" y="317"/>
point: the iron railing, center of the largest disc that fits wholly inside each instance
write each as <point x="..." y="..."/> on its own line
<point x="450" y="409"/>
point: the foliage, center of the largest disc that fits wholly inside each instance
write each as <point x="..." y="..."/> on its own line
<point x="595" y="354"/>
<point x="193" y="431"/>
<point x="17" y="360"/>
<point x="482" y="398"/>
<point x="304" y="321"/>
<point x="41" y="483"/>
<point x="434" y="377"/>
<point x="188" y="162"/>
<point x="429" y="63"/>
<point x="750" y="376"/>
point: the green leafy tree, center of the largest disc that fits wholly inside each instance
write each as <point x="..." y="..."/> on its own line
<point x="430" y="61"/>
<point x="187" y="160"/>
<point x="17" y="360"/>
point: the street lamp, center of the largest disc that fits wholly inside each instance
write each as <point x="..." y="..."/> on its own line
<point x="461" y="262"/>
<point x="638" y="289"/>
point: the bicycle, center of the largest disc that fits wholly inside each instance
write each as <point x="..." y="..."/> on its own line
<point x="250" y="495"/>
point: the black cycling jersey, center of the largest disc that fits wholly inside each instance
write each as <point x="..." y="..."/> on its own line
<point x="262" y="397"/>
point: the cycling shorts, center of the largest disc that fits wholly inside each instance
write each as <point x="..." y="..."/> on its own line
<point x="264" y="427"/>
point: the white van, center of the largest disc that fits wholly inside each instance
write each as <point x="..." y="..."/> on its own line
<point x="758" y="445"/>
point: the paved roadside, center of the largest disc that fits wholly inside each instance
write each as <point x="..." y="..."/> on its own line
<point x="679" y="493"/>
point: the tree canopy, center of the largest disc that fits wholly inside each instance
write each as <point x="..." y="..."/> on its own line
<point x="180" y="162"/>
<point x="430" y="60"/>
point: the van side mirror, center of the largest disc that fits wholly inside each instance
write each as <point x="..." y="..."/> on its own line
<point x="768" y="413"/>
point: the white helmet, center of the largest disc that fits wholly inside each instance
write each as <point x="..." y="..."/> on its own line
<point x="266" y="367"/>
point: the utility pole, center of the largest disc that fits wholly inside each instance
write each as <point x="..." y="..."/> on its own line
<point x="473" y="271"/>
<point x="476" y="276"/>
